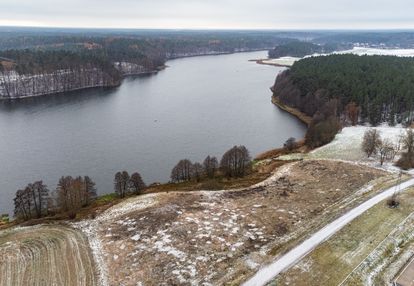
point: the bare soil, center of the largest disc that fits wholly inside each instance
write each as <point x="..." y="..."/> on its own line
<point x="222" y="237"/>
<point x="45" y="255"/>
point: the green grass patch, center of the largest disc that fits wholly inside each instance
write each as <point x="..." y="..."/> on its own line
<point x="332" y="261"/>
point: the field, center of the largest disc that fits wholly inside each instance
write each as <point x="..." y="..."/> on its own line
<point x="347" y="147"/>
<point x="45" y="255"/>
<point x="369" y="251"/>
<point x="289" y="61"/>
<point x="221" y="237"/>
<point x="203" y="238"/>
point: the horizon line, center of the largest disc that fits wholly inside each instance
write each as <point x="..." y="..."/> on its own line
<point x="269" y="29"/>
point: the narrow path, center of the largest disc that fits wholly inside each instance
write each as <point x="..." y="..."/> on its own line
<point x="267" y="273"/>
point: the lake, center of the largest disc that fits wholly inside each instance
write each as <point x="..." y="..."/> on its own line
<point x="196" y="107"/>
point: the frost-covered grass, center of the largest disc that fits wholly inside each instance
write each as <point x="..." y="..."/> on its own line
<point x="360" y="51"/>
<point x="283" y="61"/>
<point x="347" y="146"/>
<point x="382" y="52"/>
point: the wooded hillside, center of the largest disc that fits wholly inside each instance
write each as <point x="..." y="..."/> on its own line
<point x="382" y="87"/>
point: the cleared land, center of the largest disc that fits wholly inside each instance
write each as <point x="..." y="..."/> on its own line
<point x="347" y="147"/>
<point x="45" y="255"/>
<point x="202" y="238"/>
<point x="372" y="249"/>
<point x="362" y="253"/>
<point x="406" y="277"/>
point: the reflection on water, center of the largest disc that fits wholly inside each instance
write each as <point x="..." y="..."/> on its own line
<point x="196" y="107"/>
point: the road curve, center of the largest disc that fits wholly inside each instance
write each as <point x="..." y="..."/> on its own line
<point x="267" y="273"/>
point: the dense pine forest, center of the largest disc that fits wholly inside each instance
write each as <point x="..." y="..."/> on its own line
<point x="382" y="87"/>
<point x="348" y="89"/>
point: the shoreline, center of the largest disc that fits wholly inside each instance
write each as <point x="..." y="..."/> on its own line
<point x="272" y="153"/>
<point x="155" y="71"/>
<point x="262" y="62"/>
<point x="85" y="88"/>
<point x="293" y="111"/>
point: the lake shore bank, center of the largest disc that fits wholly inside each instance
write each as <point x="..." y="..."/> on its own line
<point x="126" y="75"/>
<point x="295" y="112"/>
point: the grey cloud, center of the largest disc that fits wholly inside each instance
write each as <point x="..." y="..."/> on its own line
<point x="211" y="13"/>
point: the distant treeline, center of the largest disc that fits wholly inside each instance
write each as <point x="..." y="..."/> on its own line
<point x="40" y="61"/>
<point x="301" y="49"/>
<point x="350" y="88"/>
<point x="36" y="52"/>
<point x="36" y="63"/>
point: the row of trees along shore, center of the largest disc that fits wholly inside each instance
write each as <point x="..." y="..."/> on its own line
<point x="70" y="196"/>
<point x="336" y="90"/>
<point x="235" y="163"/>
<point x="74" y="193"/>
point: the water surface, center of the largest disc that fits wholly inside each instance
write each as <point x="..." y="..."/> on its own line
<point x="196" y="107"/>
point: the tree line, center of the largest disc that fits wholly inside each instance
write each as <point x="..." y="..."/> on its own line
<point x="38" y="53"/>
<point x="348" y="89"/>
<point x="125" y="185"/>
<point x="70" y="196"/>
<point x="236" y="162"/>
<point x="301" y="49"/>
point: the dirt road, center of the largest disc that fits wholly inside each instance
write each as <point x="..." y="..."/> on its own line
<point x="267" y="273"/>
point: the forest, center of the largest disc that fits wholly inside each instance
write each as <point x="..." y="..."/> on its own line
<point x="301" y="49"/>
<point x="38" y="62"/>
<point x="382" y="87"/>
<point x="348" y="89"/>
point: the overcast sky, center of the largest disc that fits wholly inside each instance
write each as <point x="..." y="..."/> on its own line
<point x="215" y="14"/>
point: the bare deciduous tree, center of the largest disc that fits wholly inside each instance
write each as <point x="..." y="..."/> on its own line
<point x="235" y="162"/>
<point x="385" y="151"/>
<point x="371" y="142"/>
<point x="408" y="141"/>
<point x="182" y="171"/>
<point x="197" y="171"/>
<point x="121" y="183"/>
<point x="32" y="201"/>
<point x="137" y="183"/>
<point x="210" y="165"/>
<point x="90" y="190"/>
<point x="74" y="193"/>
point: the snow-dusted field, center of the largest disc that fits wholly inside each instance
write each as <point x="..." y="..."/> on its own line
<point x="266" y="274"/>
<point x="347" y="146"/>
<point x="213" y="238"/>
<point x="284" y="61"/>
<point x="360" y="51"/>
<point x="382" y="52"/>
